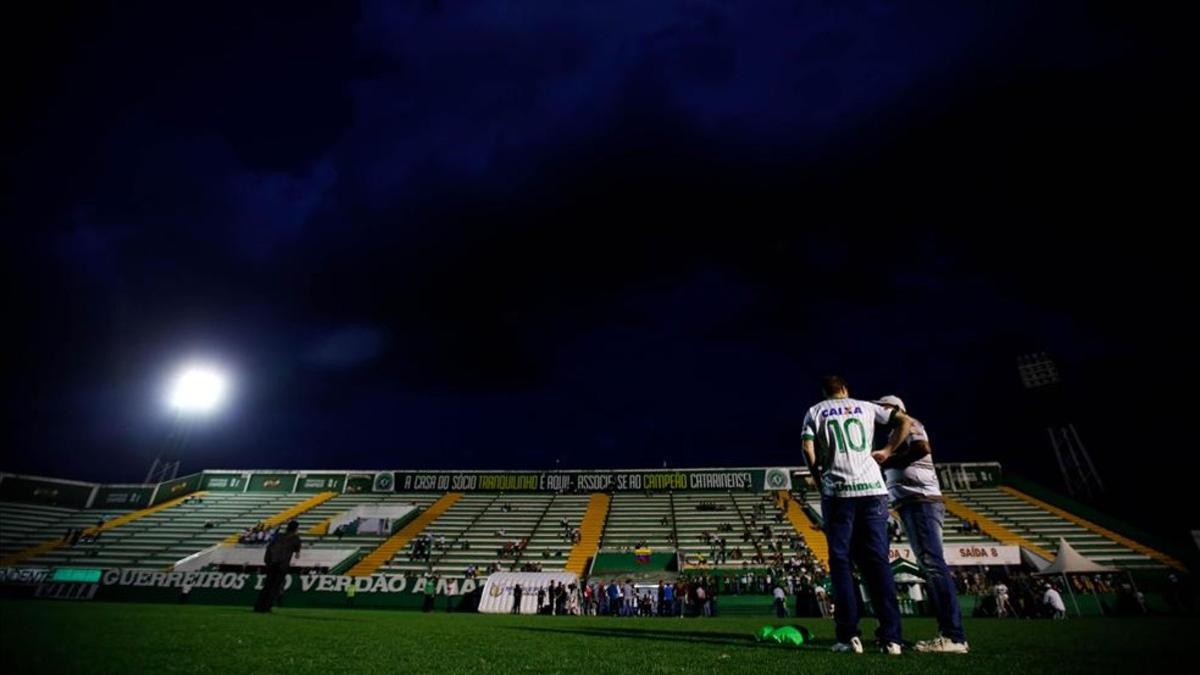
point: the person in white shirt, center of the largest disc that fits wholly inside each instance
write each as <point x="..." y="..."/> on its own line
<point x="913" y="487"/>
<point x="780" y="603"/>
<point x="1054" y="603"/>
<point x="838" y="436"/>
<point x="1000" y="591"/>
<point x="822" y="600"/>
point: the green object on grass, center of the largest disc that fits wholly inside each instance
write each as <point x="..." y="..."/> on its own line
<point x="788" y="635"/>
<point x="784" y="635"/>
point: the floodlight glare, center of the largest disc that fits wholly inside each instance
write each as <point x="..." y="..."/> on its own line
<point x="197" y="389"/>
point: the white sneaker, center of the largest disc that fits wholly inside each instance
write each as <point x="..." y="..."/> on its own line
<point x="853" y="646"/>
<point x="943" y="645"/>
<point x="891" y="649"/>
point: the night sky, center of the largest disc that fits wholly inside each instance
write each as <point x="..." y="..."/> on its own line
<point x="505" y="235"/>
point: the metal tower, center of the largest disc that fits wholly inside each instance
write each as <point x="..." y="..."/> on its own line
<point x="1040" y="375"/>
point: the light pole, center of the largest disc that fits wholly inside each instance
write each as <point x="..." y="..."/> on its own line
<point x="1040" y="375"/>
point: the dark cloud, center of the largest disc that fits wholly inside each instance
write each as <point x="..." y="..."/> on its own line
<point x="347" y="347"/>
<point x="432" y="234"/>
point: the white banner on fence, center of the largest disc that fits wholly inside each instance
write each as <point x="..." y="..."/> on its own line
<point x="377" y="518"/>
<point x="497" y="595"/>
<point x="966" y="554"/>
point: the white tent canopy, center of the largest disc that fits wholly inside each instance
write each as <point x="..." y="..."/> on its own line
<point x="1070" y="561"/>
<point x="1034" y="560"/>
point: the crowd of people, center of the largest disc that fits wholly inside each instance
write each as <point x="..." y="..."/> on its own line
<point x="558" y="599"/>
<point x="1007" y="593"/>
<point x="683" y="597"/>
<point x="690" y="596"/>
<point x="780" y="548"/>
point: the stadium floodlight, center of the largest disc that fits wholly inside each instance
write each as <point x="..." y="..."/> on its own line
<point x="197" y="390"/>
<point x="1037" y="370"/>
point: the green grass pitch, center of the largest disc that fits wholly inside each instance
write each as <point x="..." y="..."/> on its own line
<point x="80" y="637"/>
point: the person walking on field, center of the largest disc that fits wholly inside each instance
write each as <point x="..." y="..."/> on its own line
<point x="430" y="591"/>
<point x="780" y="603"/>
<point x="278" y="560"/>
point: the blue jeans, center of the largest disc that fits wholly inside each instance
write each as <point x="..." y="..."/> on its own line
<point x="923" y="523"/>
<point x="856" y="527"/>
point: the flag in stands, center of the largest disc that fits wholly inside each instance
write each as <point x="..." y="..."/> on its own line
<point x="642" y="555"/>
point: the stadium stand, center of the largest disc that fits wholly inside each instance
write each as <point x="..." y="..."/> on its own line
<point x="61" y="547"/>
<point x="25" y="527"/>
<point x="697" y="524"/>
<point x="956" y="530"/>
<point x="636" y="519"/>
<point x="956" y="508"/>
<point x="1044" y="524"/>
<point x="292" y="512"/>
<point x="494" y="531"/>
<point x="162" y="538"/>
<point x="716" y="528"/>
<point x="314" y="522"/>
<point x="1100" y="530"/>
<point x="455" y="534"/>
<point x="381" y="555"/>
<point x="805" y="527"/>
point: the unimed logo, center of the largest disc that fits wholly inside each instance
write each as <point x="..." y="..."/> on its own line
<point x="855" y="487"/>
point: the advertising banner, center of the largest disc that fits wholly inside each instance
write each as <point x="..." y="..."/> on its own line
<point x="223" y="482"/>
<point x="585" y="481"/>
<point x="966" y="554"/>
